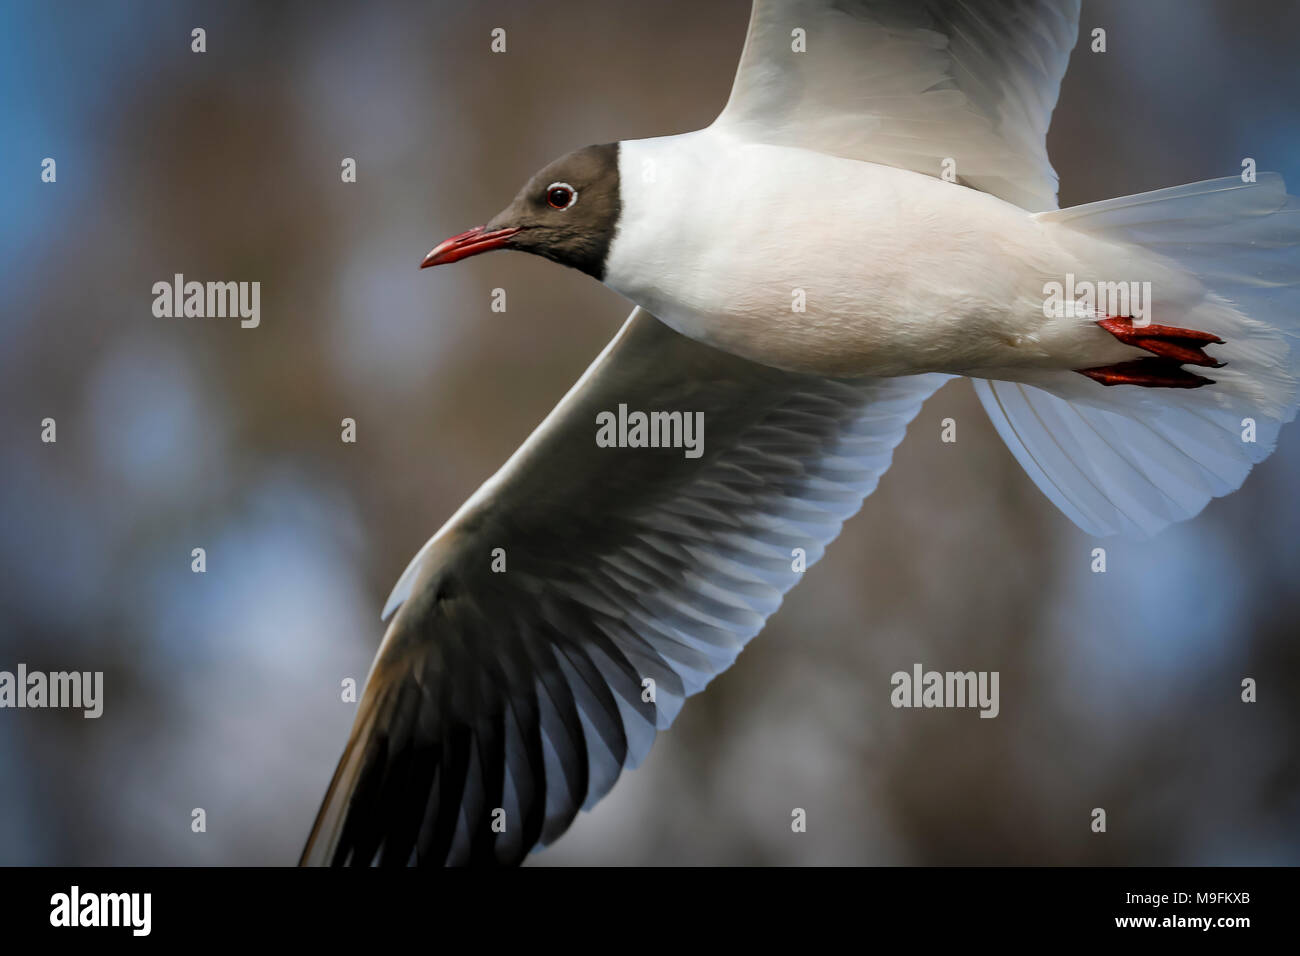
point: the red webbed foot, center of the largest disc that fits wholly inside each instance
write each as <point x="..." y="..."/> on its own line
<point x="1148" y="373"/>
<point x="1185" y="346"/>
<point x="1173" y="348"/>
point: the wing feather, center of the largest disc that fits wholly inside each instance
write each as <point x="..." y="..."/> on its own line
<point x="911" y="83"/>
<point x="502" y="703"/>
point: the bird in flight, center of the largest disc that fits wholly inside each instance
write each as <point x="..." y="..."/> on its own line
<point x="872" y="213"/>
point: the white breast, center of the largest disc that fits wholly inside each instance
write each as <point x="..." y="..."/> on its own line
<point x="810" y="262"/>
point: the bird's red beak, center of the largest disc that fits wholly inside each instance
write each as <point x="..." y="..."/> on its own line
<point x="468" y="243"/>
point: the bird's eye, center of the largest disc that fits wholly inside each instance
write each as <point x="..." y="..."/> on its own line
<point x="561" y="195"/>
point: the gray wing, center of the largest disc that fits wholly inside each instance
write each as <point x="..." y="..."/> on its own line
<point x="501" y="703"/>
<point x="911" y="83"/>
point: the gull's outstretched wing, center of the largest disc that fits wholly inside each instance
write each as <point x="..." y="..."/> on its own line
<point x="911" y="83"/>
<point x="503" y="701"/>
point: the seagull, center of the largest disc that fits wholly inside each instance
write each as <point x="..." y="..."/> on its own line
<point x="872" y="213"/>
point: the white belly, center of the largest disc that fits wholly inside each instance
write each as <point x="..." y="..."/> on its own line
<point x="814" y="263"/>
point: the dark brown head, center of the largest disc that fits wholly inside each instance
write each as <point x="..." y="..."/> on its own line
<point x="568" y="212"/>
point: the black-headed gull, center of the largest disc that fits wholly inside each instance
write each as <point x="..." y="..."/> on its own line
<point x="872" y="212"/>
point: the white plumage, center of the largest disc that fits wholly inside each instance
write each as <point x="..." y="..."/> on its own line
<point x="523" y="692"/>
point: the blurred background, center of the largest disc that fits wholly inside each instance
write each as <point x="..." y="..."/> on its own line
<point x="1118" y="690"/>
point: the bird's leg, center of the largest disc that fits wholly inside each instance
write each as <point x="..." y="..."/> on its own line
<point x="1185" y="346"/>
<point x="1147" y="372"/>
<point x="1173" y="348"/>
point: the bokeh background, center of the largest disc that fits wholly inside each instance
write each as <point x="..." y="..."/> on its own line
<point x="1119" y="690"/>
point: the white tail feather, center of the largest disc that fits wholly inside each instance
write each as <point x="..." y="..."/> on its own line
<point x="1130" y="460"/>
